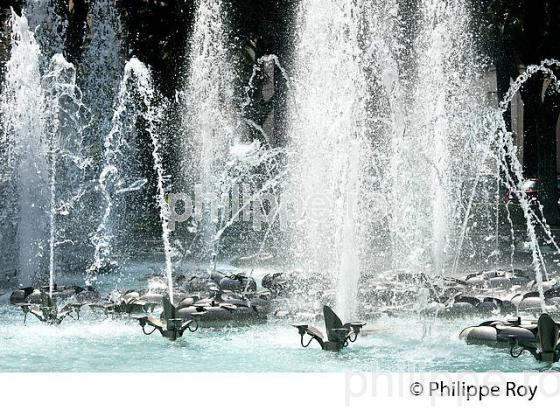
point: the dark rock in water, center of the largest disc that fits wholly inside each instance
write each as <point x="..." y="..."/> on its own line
<point x="499" y="279"/>
<point x="238" y="282"/>
<point x="225" y="306"/>
<point x="20" y="295"/>
<point x="500" y="283"/>
<point x="294" y="284"/>
<point x="59" y="294"/>
<point x="477" y="281"/>
<point x="530" y="303"/>
<point x="203" y="281"/>
<point x="201" y="296"/>
<point x="86" y="296"/>
<point x="276" y="282"/>
<point x="461" y="309"/>
<point x="105" y="269"/>
<point x="553" y="292"/>
<point x="500" y="333"/>
<point x="463" y="305"/>
<point x="198" y="282"/>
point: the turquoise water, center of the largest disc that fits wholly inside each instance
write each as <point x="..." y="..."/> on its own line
<point x="99" y="344"/>
<point x="111" y="345"/>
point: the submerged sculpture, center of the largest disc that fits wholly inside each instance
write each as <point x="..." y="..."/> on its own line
<point x="44" y="308"/>
<point x="223" y="298"/>
<point x="64" y="301"/>
<point x="547" y="349"/>
<point x="540" y="338"/>
<point x="169" y="325"/>
<point x="338" y="335"/>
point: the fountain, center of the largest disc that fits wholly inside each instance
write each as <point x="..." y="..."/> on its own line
<point x="328" y="144"/>
<point x="438" y="139"/>
<point x="44" y="143"/>
<point x="209" y="121"/>
<point x="338" y="335"/>
<point x="152" y="118"/>
<point x="64" y="135"/>
<point x="100" y="70"/>
<point x="101" y="66"/>
<point x="374" y="162"/>
<point x="45" y="17"/>
<point x="170" y="326"/>
<point x="46" y="310"/>
<point x="119" y="174"/>
<point x="26" y="169"/>
<point x="391" y="136"/>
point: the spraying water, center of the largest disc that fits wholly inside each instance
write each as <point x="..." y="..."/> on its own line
<point x="445" y="139"/>
<point x="22" y="110"/>
<point x="44" y="120"/>
<point x="120" y="171"/>
<point x="513" y="172"/>
<point x="396" y="136"/>
<point x="101" y="66"/>
<point x="100" y="70"/>
<point x="152" y="116"/>
<point x="64" y="133"/>
<point x="48" y="25"/>
<point x="209" y="120"/>
<point x="327" y="144"/>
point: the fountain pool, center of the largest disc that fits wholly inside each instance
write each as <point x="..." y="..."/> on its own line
<point x="109" y="345"/>
<point x="97" y="343"/>
<point x="387" y="127"/>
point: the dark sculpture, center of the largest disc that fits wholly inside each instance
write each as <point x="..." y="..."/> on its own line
<point x="546" y="349"/>
<point x="338" y="335"/>
<point x="169" y="325"/>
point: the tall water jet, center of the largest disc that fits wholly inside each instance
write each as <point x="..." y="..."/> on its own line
<point x="327" y="146"/>
<point x="386" y="32"/>
<point x="66" y="165"/>
<point x="512" y="172"/>
<point x="48" y="25"/>
<point x="210" y="121"/>
<point x="445" y="137"/>
<point x="120" y="172"/>
<point x="22" y="109"/>
<point x="100" y="70"/>
<point x="102" y="65"/>
<point x="152" y="117"/>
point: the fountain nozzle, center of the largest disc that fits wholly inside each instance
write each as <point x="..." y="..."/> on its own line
<point x="547" y="349"/>
<point x="338" y="335"/>
<point x="46" y="310"/>
<point x="169" y="325"/>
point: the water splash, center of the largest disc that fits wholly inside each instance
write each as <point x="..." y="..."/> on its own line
<point x="153" y="116"/>
<point x="64" y="137"/>
<point x="101" y="65"/>
<point x="120" y="170"/>
<point x="44" y="120"/>
<point x="327" y="144"/>
<point x="399" y="135"/>
<point x="100" y="68"/>
<point x="48" y="26"/>
<point x="22" y="108"/>
<point x="210" y="124"/>
<point x="446" y="135"/>
<point x="512" y="171"/>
